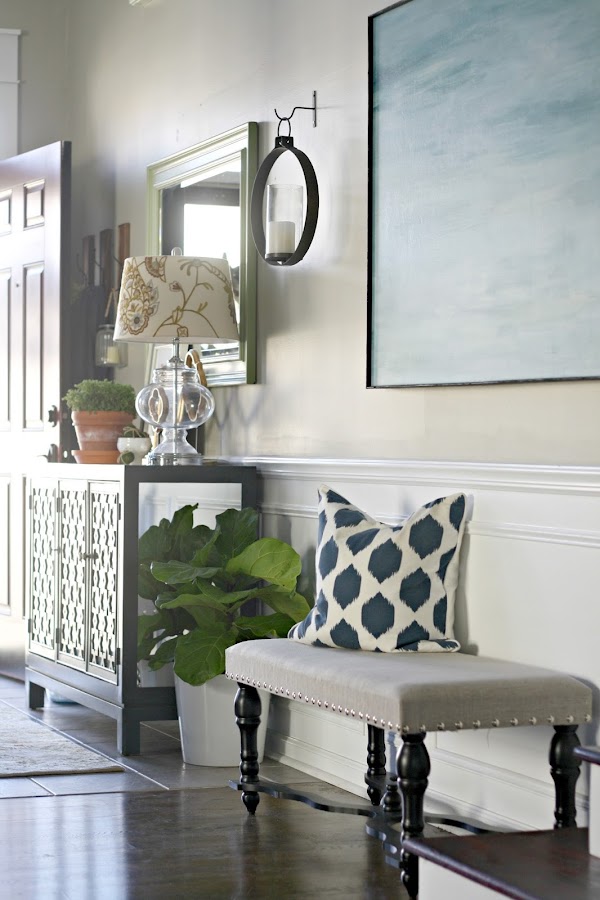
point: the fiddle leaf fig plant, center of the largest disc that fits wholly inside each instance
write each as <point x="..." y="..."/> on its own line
<point x="208" y="586"/>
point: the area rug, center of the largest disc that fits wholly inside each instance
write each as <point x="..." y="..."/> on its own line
<point x="29" y="748"/>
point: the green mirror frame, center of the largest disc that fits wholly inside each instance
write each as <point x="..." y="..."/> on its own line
<point x="242" y="143"/>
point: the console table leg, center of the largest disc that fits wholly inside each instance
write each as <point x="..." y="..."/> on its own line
<point x="247" y="713"/>
<point x="564" y="768"/>
<point x="128" y="734"/>
<point x="376" y="770"/>
<point x="413" y="767"/>
<point x="35" y="695"/>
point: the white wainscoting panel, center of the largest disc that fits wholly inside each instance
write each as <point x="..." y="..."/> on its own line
<point x="528" y="592"/>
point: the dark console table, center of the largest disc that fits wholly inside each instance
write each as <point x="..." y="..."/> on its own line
<point x="82" y="585"/>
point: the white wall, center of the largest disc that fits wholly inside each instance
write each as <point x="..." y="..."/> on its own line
<point x="146" y="81"/>
<point x="44" y="112"/>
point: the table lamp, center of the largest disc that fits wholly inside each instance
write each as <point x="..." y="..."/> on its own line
<point x="175" y="298"/>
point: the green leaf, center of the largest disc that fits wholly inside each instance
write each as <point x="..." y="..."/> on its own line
<point x="210" y="596"/>
<point x="269" y="559"/>
<point x="238" y="528"/>
<point x="155" y="543"/>
<point x="148" y="587"/>
<point x="205" y="553"/>
<point x="207" y="615"/>
<point x="200" y="655"/>
<point x="147" y="627"/>
<point x="275" y="625"/>
<point x="291" y="604"/>
<point x="182" y="524"/>
<point x="165" y="653"/>
<point x="175" y="572"/>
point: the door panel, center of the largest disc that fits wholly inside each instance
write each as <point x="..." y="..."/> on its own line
<point x="34" y="242"/>
<point x="4" y="543"/>
<point x="5" y="317"/>
<point x="34" y="361"/>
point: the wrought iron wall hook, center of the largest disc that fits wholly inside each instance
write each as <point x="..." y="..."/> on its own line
<point x="287" y="118"/>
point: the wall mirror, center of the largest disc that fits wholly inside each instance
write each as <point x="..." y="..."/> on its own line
<point x="199" y="200"/>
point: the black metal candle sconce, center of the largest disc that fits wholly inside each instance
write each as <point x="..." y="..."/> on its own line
<point x="283" y="249"/>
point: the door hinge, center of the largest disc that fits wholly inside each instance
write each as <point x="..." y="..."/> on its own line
<point x="118" y="656"/>
<point x="30" y="501"/>
<point x="29" y="626"/>
<point x="58" y="503"/>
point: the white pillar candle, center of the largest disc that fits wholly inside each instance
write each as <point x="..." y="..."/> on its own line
<point x="281" y="237"/>
<point x="112" y="356"/>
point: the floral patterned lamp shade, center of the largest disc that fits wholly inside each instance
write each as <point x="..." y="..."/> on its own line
<point x="178" y="299"/>
<point x="165" y="298"/>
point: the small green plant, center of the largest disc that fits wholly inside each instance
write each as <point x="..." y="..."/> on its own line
<point x="203" y="580"/>
<point x="91" y="395"/>
<point x="130" y="431"/>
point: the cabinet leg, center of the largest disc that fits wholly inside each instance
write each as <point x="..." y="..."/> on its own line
<point x="36" y="695"/>
<point x="128" y="735"/>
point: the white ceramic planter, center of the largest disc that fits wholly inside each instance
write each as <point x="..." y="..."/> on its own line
<point x="136" y="445"/>
<point x="209" y="734"/>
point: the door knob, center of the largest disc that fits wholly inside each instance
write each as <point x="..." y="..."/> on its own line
<point x="53" y="416"/>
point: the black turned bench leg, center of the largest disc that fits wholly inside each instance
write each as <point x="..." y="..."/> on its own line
<point x="376" y="770"/>
<point x="247" y="716"/>
<point x="564" y="768"/>
<point x="413" y="767"/>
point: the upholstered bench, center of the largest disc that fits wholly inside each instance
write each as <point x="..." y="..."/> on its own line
<point x="410" y="694"/>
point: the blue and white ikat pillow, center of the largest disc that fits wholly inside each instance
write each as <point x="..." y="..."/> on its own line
<point x="381" y="587"/>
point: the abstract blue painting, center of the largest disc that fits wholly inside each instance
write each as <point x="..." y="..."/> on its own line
<point x="484" y="206"/>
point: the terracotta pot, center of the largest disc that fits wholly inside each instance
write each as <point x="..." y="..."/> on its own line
<point x="106" y="457"/>
<point x="99" y="430"/>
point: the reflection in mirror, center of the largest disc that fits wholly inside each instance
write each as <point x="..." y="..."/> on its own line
<point x="199" y="200"/>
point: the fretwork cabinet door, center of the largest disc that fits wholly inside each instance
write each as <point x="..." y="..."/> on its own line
<point x="72" y="564"/>
<point x="74" y="605"/>
<point x="43" y="557"/>
<point x="102" y="553"/>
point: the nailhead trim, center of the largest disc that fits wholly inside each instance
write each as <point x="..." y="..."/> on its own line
<point x="404" y="729"/>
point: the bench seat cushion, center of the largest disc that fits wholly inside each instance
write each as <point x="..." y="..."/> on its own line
<point x="412" y="692"/>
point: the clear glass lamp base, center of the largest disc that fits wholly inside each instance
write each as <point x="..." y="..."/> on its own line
<point x="174" y="402"/>
<point x="174" y="450"/>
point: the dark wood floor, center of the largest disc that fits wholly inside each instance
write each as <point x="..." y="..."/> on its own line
<point x="162" y="829"/>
